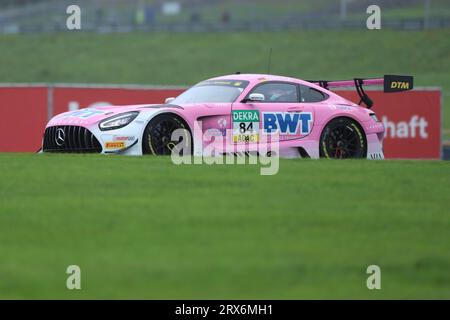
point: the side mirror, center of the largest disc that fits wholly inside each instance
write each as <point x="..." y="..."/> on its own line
<point x="255" y="97"/>
<point x="169" y="100"/>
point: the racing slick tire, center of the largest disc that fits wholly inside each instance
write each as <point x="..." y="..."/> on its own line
<point x="157" y="139"/>
<point x="343" y="138"/>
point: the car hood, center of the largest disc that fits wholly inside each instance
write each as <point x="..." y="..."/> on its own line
<point x="90" y="116"/>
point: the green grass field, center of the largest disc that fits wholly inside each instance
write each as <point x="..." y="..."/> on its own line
<point x="184" y="59"/>
<point x="141" y="227"/>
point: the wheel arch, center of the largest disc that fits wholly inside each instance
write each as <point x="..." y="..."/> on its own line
<point x="163" y="113"/>
<point x="344" y="116"/>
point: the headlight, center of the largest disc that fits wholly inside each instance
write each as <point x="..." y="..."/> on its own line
<point x="374" y="117"/>
<point x="118" y="121"/>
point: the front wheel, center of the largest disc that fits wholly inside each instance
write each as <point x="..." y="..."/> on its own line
<point x="158" y="136"/>
<point x="343" y="138"/>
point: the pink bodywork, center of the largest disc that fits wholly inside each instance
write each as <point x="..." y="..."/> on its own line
<point x="211" y="114"/>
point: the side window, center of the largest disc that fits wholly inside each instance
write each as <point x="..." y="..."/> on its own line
<point x="278" y="92"/>
<point x="308" y="94"/>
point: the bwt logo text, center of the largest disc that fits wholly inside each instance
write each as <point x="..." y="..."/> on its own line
<point x="287" y="123"/>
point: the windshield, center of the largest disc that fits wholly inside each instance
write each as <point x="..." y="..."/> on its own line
<point x="215" y="91"/>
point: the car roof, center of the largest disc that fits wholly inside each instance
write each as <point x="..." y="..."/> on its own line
<point x="255" y="77"/>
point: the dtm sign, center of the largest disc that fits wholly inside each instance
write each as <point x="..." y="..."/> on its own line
<point x="287" y="122"/>
<point x="400" y="85"/>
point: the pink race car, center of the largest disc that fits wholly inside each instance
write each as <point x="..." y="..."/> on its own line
<point x="307" y="119"/>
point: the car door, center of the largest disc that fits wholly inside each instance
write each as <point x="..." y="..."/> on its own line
<point x="271" y="107"/>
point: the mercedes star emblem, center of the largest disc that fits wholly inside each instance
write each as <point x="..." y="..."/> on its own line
<point x="60" y="137"/>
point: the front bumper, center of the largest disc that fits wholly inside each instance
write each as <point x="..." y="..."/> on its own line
<point x="71" y="139"/>
<point x="78" y="139"/>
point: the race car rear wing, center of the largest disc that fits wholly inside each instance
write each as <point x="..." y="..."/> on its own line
<point x="390" y="83"/>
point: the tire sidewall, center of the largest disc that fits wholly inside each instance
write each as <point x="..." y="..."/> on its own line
<point x="147" y="147"/>
<point x="343" y="121"/>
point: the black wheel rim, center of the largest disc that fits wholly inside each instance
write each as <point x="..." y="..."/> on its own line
<point x="342" y="141"/>
<point x="161" y="136"/>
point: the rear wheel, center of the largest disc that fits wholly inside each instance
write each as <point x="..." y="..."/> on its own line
<point x="343" y="138"/>
<point x="157" y="138"/>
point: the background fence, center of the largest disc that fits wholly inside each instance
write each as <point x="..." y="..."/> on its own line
<point x="31" y="16"/>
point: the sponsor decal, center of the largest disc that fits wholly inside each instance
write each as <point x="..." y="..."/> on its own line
<point x="342" y="107"/>
<point x="229" y="83"/>
<point x="85" y="113"/>
<point x="222" y="123"/>
<point x="213" y="132"/>
<point x="287" y="122"/>
<point x="124" y="138"/>
<point x="400" y="85"/>
<point x="394" y="83"/>
<point x="245" y="126"/>
<point x="115" y="145"/>
<point x="222" y="130"/>
<point x="376" y="156"/>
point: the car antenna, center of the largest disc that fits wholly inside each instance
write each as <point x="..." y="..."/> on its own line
<point x="270" y="61"/>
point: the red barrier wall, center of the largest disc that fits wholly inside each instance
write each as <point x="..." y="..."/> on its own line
<point x="412" y="119"/>
<point x="23" y="117"/>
